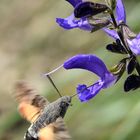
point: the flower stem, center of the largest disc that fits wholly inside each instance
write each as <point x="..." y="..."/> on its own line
<point x="113" y="19"/>
<point x="123" y="42"/>
<point x="119" y="33"/>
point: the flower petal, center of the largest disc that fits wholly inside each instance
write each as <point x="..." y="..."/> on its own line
<point x="109" y="80"/>
<point x="111" y="33"/>
<point x="94" y="64"/>
<point x="84" y="25"/>
<point x="67" y="23"/>
<point x="120" y="11"/>
<point x="87" y="62"/>
<point x="70" y="23"/>
<point x="135" y="44"/>
<point x="74" y="2"/>
<point x="86" y="93"/>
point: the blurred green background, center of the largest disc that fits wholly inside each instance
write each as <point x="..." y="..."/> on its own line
<point x="31" y="43"/>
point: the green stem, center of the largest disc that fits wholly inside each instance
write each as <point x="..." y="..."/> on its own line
<point x="113" y="19"/>
<point x="130" y="53"/>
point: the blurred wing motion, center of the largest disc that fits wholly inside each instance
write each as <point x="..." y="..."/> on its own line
<point x="30" y="103"/>
<point x="55" y="131"/>
<point x="30" y="107"/>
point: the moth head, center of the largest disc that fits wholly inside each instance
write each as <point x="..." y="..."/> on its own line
<point x="65" y="101"/>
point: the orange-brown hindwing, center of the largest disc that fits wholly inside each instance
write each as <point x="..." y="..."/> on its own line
<point x="55" y="131"/>
<point x="30" y="103"/>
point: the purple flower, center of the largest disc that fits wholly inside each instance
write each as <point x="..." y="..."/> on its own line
<point x="80" y="17"/>
<point x="70" y="22"/>
<point x="120" y="12"/>
<point x="95" y="65"/>
<point x="134" y="44"/>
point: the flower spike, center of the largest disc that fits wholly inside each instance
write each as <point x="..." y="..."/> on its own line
<point x="131" y="38"/>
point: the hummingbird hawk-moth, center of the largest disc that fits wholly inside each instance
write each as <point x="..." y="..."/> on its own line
<point x="46" y="118"/>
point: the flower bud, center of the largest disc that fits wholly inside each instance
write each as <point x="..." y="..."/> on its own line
<point x="119" y="69"/>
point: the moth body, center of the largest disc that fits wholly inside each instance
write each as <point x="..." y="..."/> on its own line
<point x="46" y="118"/>
<point x="49" y="115"/>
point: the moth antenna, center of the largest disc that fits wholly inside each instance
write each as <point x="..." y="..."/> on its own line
<point x="50" y="79"/>
<point x="46" y="74"/>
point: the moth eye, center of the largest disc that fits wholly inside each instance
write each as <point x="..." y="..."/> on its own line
<point x="63" y="103"/>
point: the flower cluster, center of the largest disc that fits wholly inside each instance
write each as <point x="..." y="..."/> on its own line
<point x="85" y="16"/>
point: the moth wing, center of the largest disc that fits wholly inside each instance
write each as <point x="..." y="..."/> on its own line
<point x="30" y="103"/>
<point x="55" y="131"/>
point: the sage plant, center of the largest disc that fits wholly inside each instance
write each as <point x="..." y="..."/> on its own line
<point x="110" y="18"/>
